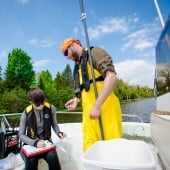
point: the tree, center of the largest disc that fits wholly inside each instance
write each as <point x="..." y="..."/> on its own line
<point x="46" y="83"/>
<point x="64" y="86"/>
<point x="45" y="80"/>
<point x="13" y="101"/>
<point x="64" y="79"/>
<point x="1" y="82"/>
<point x="58" y="81"/>
<point x="19" y="71"/>
<point x="0" y="73"/>
<point x="67" y="75"/>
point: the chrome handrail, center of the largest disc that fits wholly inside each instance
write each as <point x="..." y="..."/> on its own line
<point x="10" y="114"/>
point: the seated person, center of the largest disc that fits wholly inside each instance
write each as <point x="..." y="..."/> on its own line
<point x="35" y="127"/>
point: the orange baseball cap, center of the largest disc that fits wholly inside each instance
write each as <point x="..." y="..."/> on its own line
<point x="68" y="42"/>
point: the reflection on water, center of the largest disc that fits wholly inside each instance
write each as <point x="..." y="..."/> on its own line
<point x="141" y="108"/>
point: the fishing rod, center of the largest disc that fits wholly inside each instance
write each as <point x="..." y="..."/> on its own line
<point x="83" y="19"/>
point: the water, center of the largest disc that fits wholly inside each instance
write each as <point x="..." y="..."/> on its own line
<point x="141" y="108"/>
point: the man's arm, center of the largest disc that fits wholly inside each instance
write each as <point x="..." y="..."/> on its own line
<point x="103" y="63"/>
<point x="108" y="86"/>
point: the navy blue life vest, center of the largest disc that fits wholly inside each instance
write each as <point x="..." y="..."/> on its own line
<point x="31" y="122"/>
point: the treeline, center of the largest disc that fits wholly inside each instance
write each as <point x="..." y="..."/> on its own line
<point x="19" y="77"/>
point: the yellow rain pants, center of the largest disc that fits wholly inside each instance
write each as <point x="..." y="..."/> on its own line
<point x="110" y="115"/>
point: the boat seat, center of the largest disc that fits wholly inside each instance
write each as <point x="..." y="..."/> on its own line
<point x="160" y="125"/>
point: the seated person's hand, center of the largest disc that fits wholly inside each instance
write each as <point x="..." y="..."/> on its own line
<point x="61" y="135"/>
<point x="40" y="144"/>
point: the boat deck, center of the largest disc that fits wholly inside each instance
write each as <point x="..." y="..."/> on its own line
<point x="70" y="149"/>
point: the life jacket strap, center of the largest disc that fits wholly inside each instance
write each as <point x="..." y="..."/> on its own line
<point x="91" y="81"/>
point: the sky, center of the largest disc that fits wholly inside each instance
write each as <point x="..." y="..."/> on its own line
<point x="127" y="29"/>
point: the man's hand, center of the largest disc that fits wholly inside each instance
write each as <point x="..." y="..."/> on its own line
<point x="95" y="112"/>
<point x="72" y="104"/>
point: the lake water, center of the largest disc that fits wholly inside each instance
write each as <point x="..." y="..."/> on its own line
<point x="141" y="108"/>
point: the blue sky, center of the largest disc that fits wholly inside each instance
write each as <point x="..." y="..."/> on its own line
<point x="127" y="29"/>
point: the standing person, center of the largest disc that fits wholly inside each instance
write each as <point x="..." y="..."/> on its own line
<point x="35" y="127"/>
<point x="106" y="105"/>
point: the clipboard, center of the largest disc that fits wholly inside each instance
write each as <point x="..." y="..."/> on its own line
<point x="31" y="151"/>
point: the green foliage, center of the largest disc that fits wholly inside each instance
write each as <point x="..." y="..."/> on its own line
<point x="63" y="95"/>
<point x="64" y="85"/>
<point x="19" y="71"/>
<point x="45" y="82"/>
<point x="13" y="101"/>
<point x="68" y="77"/>
<point x="1" y="87"/>
<point x="127" y="92"/>
<point x="0" y="73"/>
<point x="59" y="80"/>
<point x="20" y="77"/>
<point x="64" y="79"/>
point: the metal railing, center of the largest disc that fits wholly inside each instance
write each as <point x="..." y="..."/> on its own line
<point x="75" y="112"/>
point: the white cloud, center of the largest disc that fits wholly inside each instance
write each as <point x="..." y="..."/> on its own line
<point x="139" y="40"/>
<point x="33" y="41"/>
<point x="143" y="44"/>
<point x="76" y="31"/>
<point x="41" y="43"/>
<point x="107" y="26"/>
<point x="40" y="63"/>
<point x="3" y="54"/>
<point x="112" y="25"/>
<point x="136" y="72"/>
<point x="137" y="36"/>
<point x="142" y="38"/>
<point x="23" y="1"/>
<point x="3" y="58"/>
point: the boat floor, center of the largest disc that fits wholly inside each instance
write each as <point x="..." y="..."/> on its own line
<point x="73" y="157"/>
<point x="43" y="165"/>
<point x="70" y="149"/>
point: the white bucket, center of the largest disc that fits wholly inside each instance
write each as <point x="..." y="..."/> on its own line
<point x="119" y="154"/>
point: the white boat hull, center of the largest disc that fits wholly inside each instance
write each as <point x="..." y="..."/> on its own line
<point x="70" y="149"/>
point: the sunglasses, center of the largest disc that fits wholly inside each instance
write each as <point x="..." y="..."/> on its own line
<point x="66" y="52"/>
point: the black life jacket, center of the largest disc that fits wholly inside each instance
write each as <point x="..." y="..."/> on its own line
<point x="31" y="122"/>
<point x="82" y="64"/>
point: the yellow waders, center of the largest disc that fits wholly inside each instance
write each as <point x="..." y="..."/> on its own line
<point x="110" y="115"/>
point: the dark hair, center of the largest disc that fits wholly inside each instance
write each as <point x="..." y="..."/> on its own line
<point x="36" y="96"/>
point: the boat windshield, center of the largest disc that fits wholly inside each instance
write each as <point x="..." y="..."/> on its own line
<point x="163" y="61"/>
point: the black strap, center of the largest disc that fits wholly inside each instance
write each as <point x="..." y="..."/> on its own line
<point x="91" y="81"/>
<point x="76" y="82"/>
<point x="84" y="71"/>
